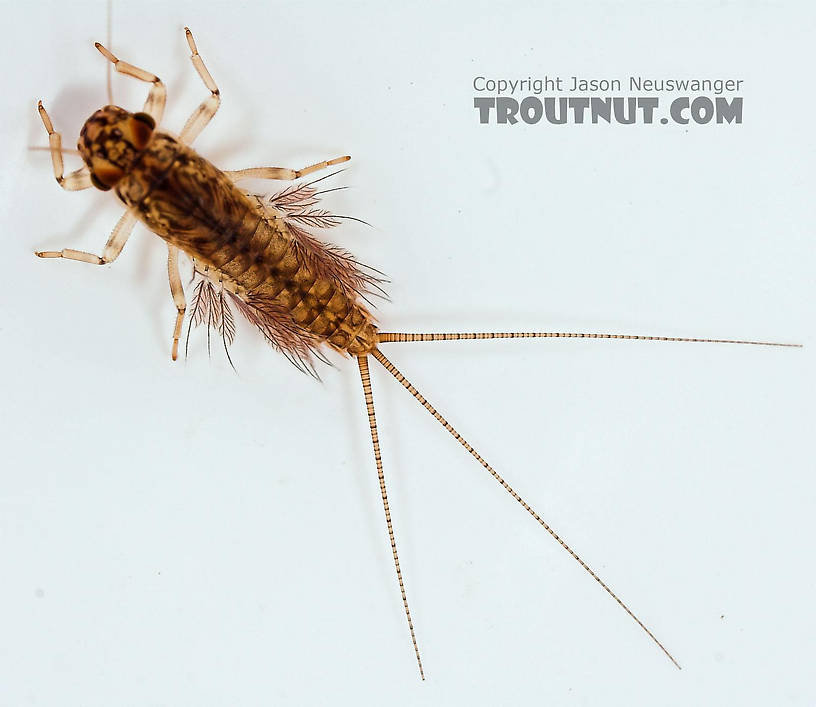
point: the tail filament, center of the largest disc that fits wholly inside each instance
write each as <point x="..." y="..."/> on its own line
<point x="385" y="337"/>
<point x="442" y="421"/>
<point x="365" y="376"/>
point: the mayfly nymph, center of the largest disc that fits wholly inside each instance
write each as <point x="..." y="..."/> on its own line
<point x="258" y="256"/>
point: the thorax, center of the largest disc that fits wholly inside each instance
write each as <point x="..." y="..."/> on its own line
<point x="185" y="199"/>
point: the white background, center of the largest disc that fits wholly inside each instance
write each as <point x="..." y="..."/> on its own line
<point x="176" y="534"/>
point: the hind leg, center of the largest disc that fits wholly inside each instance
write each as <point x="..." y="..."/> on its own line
<point x="177" y="291"/>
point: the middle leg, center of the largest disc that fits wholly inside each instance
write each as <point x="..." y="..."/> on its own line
<point x="282" y="172"/>
<point x="118" y="237"/>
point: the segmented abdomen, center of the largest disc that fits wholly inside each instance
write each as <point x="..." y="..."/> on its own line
<point x="191" y="204"/>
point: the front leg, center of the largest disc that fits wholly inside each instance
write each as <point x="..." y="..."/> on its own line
<point x="282" y="172"/>
<point x="156" y="97"/>
<point x="206" y="111"/>
<point x="113" y="247"/>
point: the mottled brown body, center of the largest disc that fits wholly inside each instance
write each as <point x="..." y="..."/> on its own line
<point x="194" y="206"/>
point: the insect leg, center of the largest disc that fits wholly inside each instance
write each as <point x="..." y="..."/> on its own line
<point x="376" y="353"/>
<point x="282" y="172"/>
<point x="205" y="112"/>
<point x="365" y="376"/>
<point x="385" y="337"/>
<point x="157" y="96"/>
<point x="118" y="237"/>
<point x="177" y="291"/>
<point x="81" y="178"/>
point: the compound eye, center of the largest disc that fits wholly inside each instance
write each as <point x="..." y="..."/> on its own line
<point x="145" y="118"/>
<point x="141" y="128"/>
<point x="99" y="185"/>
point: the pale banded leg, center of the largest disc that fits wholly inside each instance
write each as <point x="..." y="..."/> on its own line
<point x="205" y="112"/>
<point x="157" y="96"/>
<point x="177" y="291"/>
<point x="282" y="172"/>
<point x="118" y="237"/>
<point x="365" y="376"/>
<point x="81" y="178"/>
<point x="386" y="337"/>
